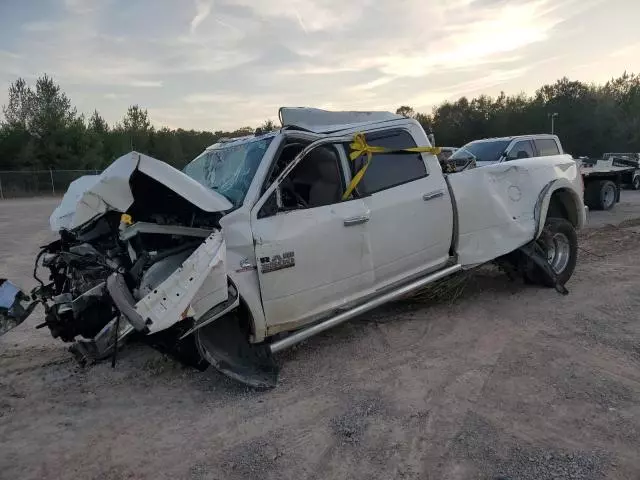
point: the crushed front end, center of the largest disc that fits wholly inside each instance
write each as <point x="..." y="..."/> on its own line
<point x="140" y="254"/>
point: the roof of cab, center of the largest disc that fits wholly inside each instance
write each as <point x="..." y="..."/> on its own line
<point x="325" y="121"/>
<point x="513" y="137"/>
<point x="315" y="120"/>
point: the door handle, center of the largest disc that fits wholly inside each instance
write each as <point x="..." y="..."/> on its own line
<point x="349" y="222"/>
<point x="431" y="195"/>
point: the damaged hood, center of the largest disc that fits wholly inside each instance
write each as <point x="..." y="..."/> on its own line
<point x="93" y="195"/>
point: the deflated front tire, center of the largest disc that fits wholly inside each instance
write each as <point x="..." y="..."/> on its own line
<point x="224" y="344"/>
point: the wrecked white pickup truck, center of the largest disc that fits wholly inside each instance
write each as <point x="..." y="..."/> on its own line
<point x="262" y="242"/>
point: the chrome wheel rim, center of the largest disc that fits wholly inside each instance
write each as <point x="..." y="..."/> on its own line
<point x="608" y="196"/>
<point x="558" y="252"/>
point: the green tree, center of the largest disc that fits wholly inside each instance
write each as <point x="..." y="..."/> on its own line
<point x="97" y="124"/>
<point x="54" y="126"/>
<point x="19" y="110"/>
<point x="137" y="128"/>
<point x="97" y="132"/>
<point x="405" y="111"/>
<point x="40" y="127"/>
<point x="136" y="120"/>
<point x="266" y="127"/>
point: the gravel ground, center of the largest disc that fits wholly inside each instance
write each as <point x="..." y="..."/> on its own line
<point x="506" y="382"/>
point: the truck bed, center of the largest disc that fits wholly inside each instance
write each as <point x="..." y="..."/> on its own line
<point x="498" y="206"/>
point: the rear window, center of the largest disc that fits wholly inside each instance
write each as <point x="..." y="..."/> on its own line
<point x="388" y="170"/>
<point x="521" y="149"/>
<point x="547" y="147"/>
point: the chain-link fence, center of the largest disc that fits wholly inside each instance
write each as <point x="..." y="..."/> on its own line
<point x="35" y="183"/>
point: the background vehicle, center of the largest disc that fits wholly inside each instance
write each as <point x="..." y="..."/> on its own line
<point x="303" y="229"/>
<point x="603" y="182"/>
<point x="631" y="179"/>
<point x="489" y="151"/>
<point x="602" y="179"/>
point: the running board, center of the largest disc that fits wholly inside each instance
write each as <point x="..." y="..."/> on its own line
<point x="302" y="335"/>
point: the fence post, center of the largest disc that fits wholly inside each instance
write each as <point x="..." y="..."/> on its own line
<point x="53" y="188"/>
<point x="1" y="194"/>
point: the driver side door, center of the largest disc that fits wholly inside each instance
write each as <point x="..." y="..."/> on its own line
<point x="312" y="247"/>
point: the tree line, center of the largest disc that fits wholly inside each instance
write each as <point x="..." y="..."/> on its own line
<point x="41" y="128"/>
<point x="590" y="119"/>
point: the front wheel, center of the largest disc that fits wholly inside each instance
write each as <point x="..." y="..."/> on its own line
<point x="224" y="344"/>
<point x="559" y="241"/>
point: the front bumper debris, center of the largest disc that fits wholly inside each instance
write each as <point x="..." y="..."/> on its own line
<point x="14" y="308"/>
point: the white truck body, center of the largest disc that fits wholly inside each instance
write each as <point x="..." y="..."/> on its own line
<point x="293" y="267"/>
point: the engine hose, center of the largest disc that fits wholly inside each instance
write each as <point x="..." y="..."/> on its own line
<point x="35" y="267"/>
<point x="123" y="299"/>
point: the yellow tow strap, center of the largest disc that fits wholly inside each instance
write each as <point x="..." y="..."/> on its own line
<point x="360" y="147"/>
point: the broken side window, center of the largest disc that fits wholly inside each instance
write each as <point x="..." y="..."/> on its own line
<point x="316" y="181"/>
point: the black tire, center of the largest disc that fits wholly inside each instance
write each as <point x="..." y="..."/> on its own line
<point x="608" y="194"/>
<point x="224" y="344"/>
<point x="636" y="183"/>
<point x="557" y="229"/>
<point x="592" y="195"/>
<point x="601" y="195"/>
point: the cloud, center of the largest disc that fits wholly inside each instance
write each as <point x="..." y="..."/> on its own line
<point x="145" y="83"/>
<point x="115" y="96"/>
<point x="378" y="82"/>
<point x="10" y="55"/>
<point x="40" y="26"/>
<point x="203" y="10"/>
<point x="301" y="22"/>
<point x="82" y="6"/>
<point x="235" y="62"/>
<point x="627" y="50"/>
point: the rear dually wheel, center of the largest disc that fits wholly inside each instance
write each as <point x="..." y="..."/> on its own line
<point x="559" y="241"/>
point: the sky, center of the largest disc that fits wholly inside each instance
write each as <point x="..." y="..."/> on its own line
<point x="224" y="64"/>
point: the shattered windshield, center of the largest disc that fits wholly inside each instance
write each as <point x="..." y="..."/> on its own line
<point x="485" y="151"/>
<point x="229" y="169"/>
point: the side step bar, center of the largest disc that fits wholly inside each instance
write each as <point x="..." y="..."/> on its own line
<point x="302" y="335"/>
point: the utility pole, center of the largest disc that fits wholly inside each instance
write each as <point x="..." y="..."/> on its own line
<point x="552" y="116"/>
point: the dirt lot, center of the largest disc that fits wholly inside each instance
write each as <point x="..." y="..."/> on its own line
<point x="509" y="381"/>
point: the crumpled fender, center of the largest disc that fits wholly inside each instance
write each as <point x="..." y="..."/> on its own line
<point x="198" y="285"/>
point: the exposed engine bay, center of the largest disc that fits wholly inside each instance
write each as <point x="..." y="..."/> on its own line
<point x="130" y="273"/>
